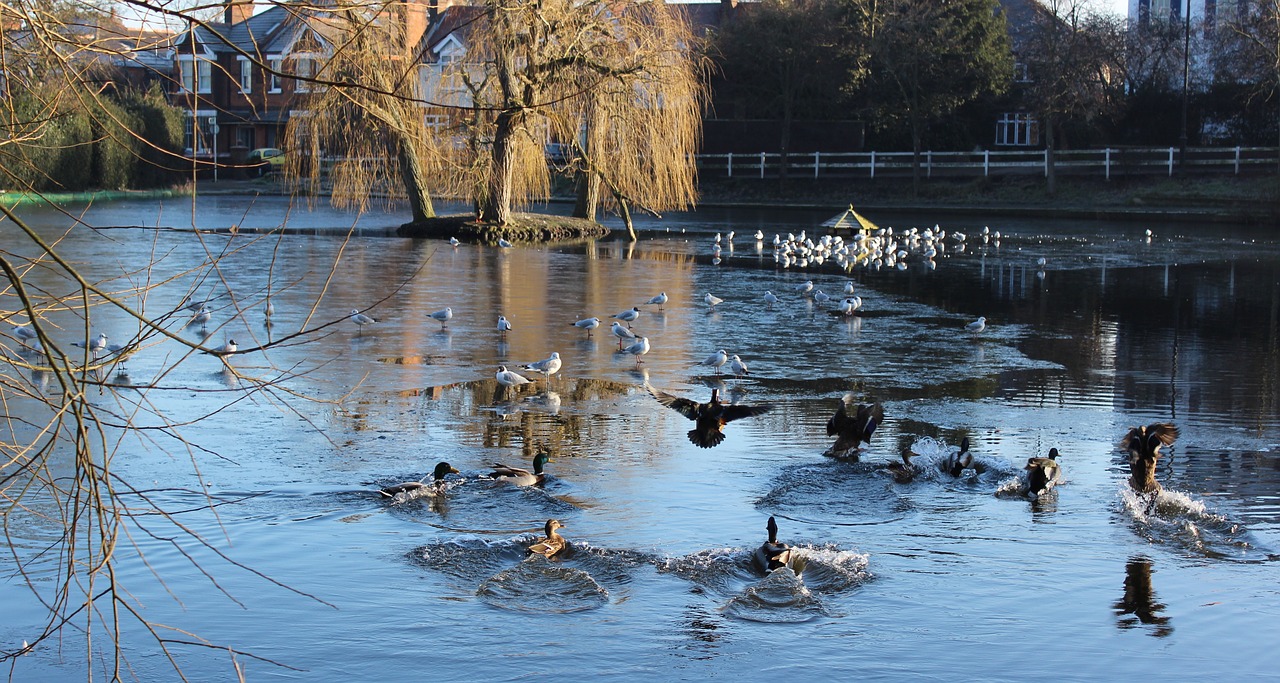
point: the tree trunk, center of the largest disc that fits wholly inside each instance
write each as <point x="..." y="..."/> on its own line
<point x="496" y="206"/>
<point x="415" y="184"/>
<point x="1051" y="170"/>
<point x="588" y="200"/>
<point x="624" y="210"/>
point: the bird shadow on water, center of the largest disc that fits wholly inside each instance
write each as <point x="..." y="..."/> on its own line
<point x="1176" y="519"/>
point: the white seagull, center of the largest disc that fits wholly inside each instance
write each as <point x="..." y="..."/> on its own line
<point x="95" y="345"/>
<point x="716" y="360"/>
<point x="202" y="316"/>
<point x="659" y="300"/>
<point x="24" y="332"/>
<point x="820" y="297"/>
<point x="759" y="236"/>
<point x="361" y="319"/>
<point x="627" y="316"/>
<point x="504" y="244"/>
<point x="269" y="310"/>
<point x="453" y="241"/>
<point x="508" y="378"/>
<point x="737" y="366"/>
<point x="805" y="287"/>
<point x="226" y="349"/>
<point x="623" y="334"/>
<point x="977" y="326"/>
<point x="504" y="325"/>
<point x="443" y="316"/>
<point x="848" y="287"/>
<point x="548" y="367"/>
<point x="712" y="300"/>
<point x="587" y="324"/>
<point x="770" y="299"/>
<point x="638" y="349"/>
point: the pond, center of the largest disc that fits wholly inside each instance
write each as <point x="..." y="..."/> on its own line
<point x="278" y="545"/>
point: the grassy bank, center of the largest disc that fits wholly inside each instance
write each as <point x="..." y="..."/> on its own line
<point x="25" y="198"/>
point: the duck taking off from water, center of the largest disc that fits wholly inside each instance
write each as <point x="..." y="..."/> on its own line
<point x="710" y="417"/>
<point x="1042" y="474"/>
<point x="1144" y="445"/>
<point x="956" y="463"/>
<point x="852" y="425"/>
<point x="553" y="544"/>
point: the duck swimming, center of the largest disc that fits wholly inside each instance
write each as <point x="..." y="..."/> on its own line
<point x="416" y="489"/>
<point x="1144" y="445"/>
<point x="852" y="425"/>
<point x="710" y="417"/>
<point x="774" y="554"/>
<point x="553" y="544"/>
<point x="522" y="477"/>
<point x="903" y="472"/>
<point x="1042" y="474"/>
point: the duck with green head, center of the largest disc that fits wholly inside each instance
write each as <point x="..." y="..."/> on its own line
<point x="553" y="544"/>
<point x="519" y="476"/>
<point x="416" y="489"/>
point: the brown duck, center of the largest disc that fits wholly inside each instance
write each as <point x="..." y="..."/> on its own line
<point x="553" y="544"/>
<point x="852" y="425"/>
<point x="710" y="417"/>
<point x="1144" y="445"/>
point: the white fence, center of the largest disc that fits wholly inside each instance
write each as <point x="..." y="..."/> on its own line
<point x="1109" y="162"/>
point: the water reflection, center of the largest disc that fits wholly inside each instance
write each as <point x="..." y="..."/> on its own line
<point x="1139" y="606"/>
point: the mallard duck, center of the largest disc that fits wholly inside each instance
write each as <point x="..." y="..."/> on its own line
<point x="774" y="554"/>
<point x="956" y="463"/>
<point x="522" y="477"/>
<point x="711" y="417"/>
<point x="414" y="489"/>
<point x="1042" y="474"/>
<point x="904" y="471"/>
<point x="553" y="544"/>
<point x="852" y="425"/>
<point x="1144" y="445"/>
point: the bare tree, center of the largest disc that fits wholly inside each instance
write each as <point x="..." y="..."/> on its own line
<point x="1251" y="47"/>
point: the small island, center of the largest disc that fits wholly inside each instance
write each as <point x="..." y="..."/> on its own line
<point x="522" y="227"/>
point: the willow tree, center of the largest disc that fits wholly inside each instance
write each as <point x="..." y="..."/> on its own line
<point x="363" y="112"/>
<point x="614" y="81"/>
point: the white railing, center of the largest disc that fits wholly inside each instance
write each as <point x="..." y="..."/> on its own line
<point x="1106" y="162"/>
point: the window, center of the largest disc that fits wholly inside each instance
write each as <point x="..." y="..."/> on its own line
<point x="244" y="136"/>
<point x="276" y="64"/>
<point x="198" y="135"/>
<point x="246" y="76"/>
<point x="304" y="68"/>
<point x="196" y="74"/>
<point x="1021" y="130"/>
<point x="1020" y="73"/>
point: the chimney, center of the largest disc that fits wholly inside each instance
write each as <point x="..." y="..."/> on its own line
<point x="236" y="11"/>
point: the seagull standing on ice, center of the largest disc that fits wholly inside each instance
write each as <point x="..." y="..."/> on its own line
<point x="716" y="360"/>
<point x="587" y="324"/>
<point x="737" y="366"/>
<point x="848" y="287"/>
<point x="226" y="349"/>
<point x="443" y="316"/>
<point x="508" y="378"/>
<point x="504" y="325"/>
<point x="770" y="299"/>
<point x="24" y="332"/>
<point x="627" y="316"/>
<point x="453" y="241"/>
<point x="805" y="287"/>
<point x="623" y="334"/>
<point x="95" y="345"/>
<point x="548" y="367"/>
<point x="977" y="326"/>
<point x="361" y="319"/>
<point x="712" y="300"/>
<point x="202" y="316"/>
<point x="638" y="349"/>
<point x="659" y="300"/>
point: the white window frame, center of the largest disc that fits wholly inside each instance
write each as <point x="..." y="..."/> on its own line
<point x="276" y="63"/>
<point x="198" y="79"/>
<point x="299" y="60"/>
<point x="1017" y="129"/>
<point x="246" y="75"/>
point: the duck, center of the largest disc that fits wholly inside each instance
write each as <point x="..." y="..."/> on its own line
<point x="710" y="417"/>
<point x="956" y="463"/>
<point x="1042" y="474"/>
<point x="415" y="489"/>
<point x="522" y="477"/>
<point x="774" y="554"/>
<point x="553" y="544"/>
<point x="903" y="472"/>
<point x="1144" y="445"/>
<point x="852" y="425"/>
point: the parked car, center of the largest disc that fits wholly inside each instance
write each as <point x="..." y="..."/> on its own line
<point x="265" y="160"/>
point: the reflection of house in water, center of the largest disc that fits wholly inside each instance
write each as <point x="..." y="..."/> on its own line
<point x="1140" y="600"/>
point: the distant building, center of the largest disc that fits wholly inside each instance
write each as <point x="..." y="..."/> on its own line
<point x="1206" y="15"/>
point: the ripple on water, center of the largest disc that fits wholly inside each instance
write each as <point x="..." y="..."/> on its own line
<point x="1175" y="518"/>
<point x="543" y="586"/>
<point x="840" y="492"/>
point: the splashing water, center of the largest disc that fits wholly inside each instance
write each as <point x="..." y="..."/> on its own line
<point x="1176" y="518"/>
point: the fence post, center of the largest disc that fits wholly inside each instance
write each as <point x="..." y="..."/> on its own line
<point x="1170" y="162"/>
<point x="1237" y="159"/>
<point x="986" y="163"/>
<point x="1107" y="163"/>
<point x="1046" y="162"/>
<point x="730" y="164"/>
<point x="762" y="164"/>
<point x="873" y="163"/>
<point x="928" y="163"/>
<point x="815" y="164"/>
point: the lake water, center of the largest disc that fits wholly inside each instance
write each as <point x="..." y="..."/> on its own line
<point x="304" y="566"/>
